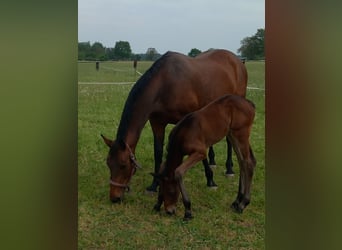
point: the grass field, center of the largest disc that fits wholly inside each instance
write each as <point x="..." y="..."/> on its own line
<point x="132" y="224"/>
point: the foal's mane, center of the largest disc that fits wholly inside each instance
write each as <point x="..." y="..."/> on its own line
<point x="134" y="94"/>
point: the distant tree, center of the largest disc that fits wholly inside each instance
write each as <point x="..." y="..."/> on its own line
<point x="151" y="54"/>
<point x="122" y="50"/>
<point x="136" y="57"/>
<point x="110" y="54"/>
<point x="194" y="52"/>
<point x="84" y="50"/>
<point x="140" y="56"/>
<point x="253" y="47"/>
<point x="98" y="51"/>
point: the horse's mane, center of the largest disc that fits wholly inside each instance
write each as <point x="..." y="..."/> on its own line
<point x="134" y="94"/>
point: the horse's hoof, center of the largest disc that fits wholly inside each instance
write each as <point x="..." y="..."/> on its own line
<point x="150" y="193"/>
<point x="229" y="174"/>
<point x="156" y="208"/>
<point x="213" y="188"/>
<point x="152" y="189"/>
<point x="212" y="185"/>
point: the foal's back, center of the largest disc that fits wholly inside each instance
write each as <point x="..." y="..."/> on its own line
<point x="214" y="121"/>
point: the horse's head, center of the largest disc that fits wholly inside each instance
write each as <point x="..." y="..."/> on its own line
<point x="169" y="190"/>
<point x="122" y="165"/>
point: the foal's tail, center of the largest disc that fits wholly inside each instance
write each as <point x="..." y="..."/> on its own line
<point x="251" y="103"/>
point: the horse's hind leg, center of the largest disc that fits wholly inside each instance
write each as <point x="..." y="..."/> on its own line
<point x="211" y="156"/>
<point x="229" y="161"/>
<point x="208" y="174"/>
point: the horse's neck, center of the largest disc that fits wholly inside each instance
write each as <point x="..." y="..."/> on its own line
<point x="134" y="120"/>
<point x="135" y="128"/>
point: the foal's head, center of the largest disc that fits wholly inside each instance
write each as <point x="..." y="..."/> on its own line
<point x="122" y="165"/>
<point x="169" y="190"/>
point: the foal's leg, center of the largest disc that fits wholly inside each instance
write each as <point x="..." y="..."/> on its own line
<point x="179" y="172"/>
<point x="229" y="161"/>
<point x="247" y="164"/>
<point x="208" y="174"/>
<point x="158" y="136"/>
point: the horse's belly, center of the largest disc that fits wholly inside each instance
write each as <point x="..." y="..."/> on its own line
<point x="170" y="117"/>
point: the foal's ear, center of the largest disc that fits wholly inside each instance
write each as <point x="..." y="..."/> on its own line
<point x="107" y="141"/>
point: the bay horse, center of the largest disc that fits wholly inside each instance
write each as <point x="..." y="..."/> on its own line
<point x="172" y="87"/>
<point x="230" y="116"/>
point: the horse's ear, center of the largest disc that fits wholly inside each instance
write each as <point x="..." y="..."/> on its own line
<point x="107" y="141"/>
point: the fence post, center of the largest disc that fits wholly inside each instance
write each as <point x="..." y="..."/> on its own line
<point x="135" y="62"/>
<point x="97" y="65"/>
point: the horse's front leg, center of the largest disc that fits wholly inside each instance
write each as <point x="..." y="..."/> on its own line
<point x="158" y="139"/>
<point x="211" y="156"/>
<point x="179" y="172"/>
<point x="160" y="200"/>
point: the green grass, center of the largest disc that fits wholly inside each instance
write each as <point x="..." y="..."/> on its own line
<point x="132" y="224"/>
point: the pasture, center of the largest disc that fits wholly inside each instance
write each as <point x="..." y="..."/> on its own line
<point x="133" y="224"/>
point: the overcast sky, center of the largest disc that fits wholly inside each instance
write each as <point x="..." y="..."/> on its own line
<point x="176" y="25"/>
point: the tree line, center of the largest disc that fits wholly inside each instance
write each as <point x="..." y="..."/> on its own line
<point x="251" y="48"/>
<point x="121" y="51"/>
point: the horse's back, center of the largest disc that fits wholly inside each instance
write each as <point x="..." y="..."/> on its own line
<point x="186" y="84"/>
<point x="205" y="64"/>
<point x="228" y="62"/>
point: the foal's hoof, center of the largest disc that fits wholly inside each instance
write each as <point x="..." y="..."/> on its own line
<point x="171" y="212"/>
<point x="235" y="206"/>
<point x="187" y="216"/>
<point x="156" y="208"/>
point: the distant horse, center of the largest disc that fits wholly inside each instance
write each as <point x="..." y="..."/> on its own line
<point x="230" y="116"/>
<point x="172" y="87"/>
